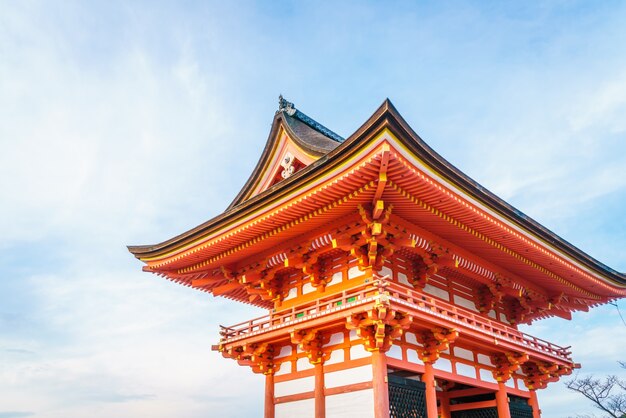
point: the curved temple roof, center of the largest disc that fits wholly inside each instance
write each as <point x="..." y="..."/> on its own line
<point x="325" y="152"/>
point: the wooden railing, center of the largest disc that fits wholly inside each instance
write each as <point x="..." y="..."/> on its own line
<point x="374" y="290"/>
<point x="427" y="303"/>
<point x="348" y="298"/>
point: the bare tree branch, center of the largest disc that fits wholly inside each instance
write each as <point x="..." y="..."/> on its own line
<point x="608" y="394"/>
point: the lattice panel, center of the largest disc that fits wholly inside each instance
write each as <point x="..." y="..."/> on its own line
<point x="407" y="398"/>
<point x="520" y="410"/>
<point x="477" y="413"/>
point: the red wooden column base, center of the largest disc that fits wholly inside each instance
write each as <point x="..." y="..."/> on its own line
<point x="502" y="401"/>
<point x="444" y="412"/>
<point x="379" y="381"/>
<point x="431" y="392"/>
<point x="269" y="395"/>
<point x="320" y="399"/>
<point x="535" y="404"/>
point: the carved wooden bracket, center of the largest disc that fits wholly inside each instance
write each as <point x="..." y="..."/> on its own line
<point x="311" y="262"/>
<point x="259" y="282"/>
<point x="312" y="343"/>
<point x="379" y="326"/>
<point x="260" y="357"/>
<point x="428" y="263"/>
<point x="506" y="364"/>
<point x="378" y="239"/>
<point x="434" y="342"/>
<point x="538" y="374"/>
<point x="489" y="295"/>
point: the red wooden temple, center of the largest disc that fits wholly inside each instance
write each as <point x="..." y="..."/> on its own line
<point x="394" y="283"/>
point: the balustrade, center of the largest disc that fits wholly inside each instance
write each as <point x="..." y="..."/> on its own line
<point x="373" y="291"/>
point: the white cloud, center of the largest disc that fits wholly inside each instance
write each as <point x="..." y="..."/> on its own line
<point x="127" y="124"/>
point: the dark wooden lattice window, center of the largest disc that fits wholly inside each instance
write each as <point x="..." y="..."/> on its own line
<point x="407" y="398"/>
<point x="518" y="410"/>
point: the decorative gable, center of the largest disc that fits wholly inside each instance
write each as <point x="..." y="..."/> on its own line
<point x="286" y="159"/>
<point x="295" y="142"/>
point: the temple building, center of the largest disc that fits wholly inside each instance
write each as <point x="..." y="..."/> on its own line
<point x="393" y="283"/>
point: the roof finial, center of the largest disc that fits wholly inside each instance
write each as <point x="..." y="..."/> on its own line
<point x="285" y="106"/>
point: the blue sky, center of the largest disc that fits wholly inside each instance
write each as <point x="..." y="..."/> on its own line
<point x="130" y="122"/>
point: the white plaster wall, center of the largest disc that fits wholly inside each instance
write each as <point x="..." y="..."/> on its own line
<point x="285" y="368"/>
<point x="385" y="271"/>
<point x="336" y="279"/>
<point x="359" y="404"/>
<point x="354" y="272"/>
<point x="336" y="356"/>
<point x="307" y="288"/>
<point x="404" y="280"/>
<point x="483" y="359"/>
<point x="292" y="387"/>
<point x="435" y="291"/>
<point x="303" y="363"/>
<point x="395" y="351"/>
<point x="487" y="376"/>
<point x="293" y="292"/>
<point x="348" y="376"/>
<point x="284" y="351"/>
<point x="298" y="409"/>
<point x="411" y="338"/>
<point x="411" y="356"/>
<point x="443" y="364"/>
<point x="336" y="338"/>
<point x="465" y="370"/>
<point x="358" y="351"/>
<point x="463" y="353"/>
<point x="466" y="303"/>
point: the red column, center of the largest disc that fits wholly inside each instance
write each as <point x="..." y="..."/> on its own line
<point x="502" y="402"/>
<point x="269" y="395"/>
<point x="535" y="404"/>
<point x="431" y="393"/>
<point x="320" y="398"/>
<point x="379" y="382"/>
<point x="444" y="400"/>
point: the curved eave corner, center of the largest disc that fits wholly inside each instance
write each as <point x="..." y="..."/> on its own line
<point x="385" y="117"/>
<point x="403" y="130"/>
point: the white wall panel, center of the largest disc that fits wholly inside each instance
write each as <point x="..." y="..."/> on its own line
<point x="435" y="291"/>
<point x="285" y="368"/>
<point x="466" y="370"/>
<point x="292" y="387"/>
<point x="411" y="338"/>
<point x="463" y="353"/>
<point x="348" y="376"/>
<point x="359" y="404"/>
<point x="337" y="356"/>
<point x="443" y="364"/>
<point x="304" y="364"/>
<point x="411" y="355"/>
<point x="298" y="409"/>
<point x="336" y="338"/>
<point x="466" y="303"/>
<point x="395" y="351"/>
<point x="358" y="351"/>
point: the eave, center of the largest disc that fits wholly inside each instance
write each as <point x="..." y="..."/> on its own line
<point x="386" y="118"/>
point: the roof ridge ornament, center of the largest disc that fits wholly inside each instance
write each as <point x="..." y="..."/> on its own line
<point x="286" y="106"/>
